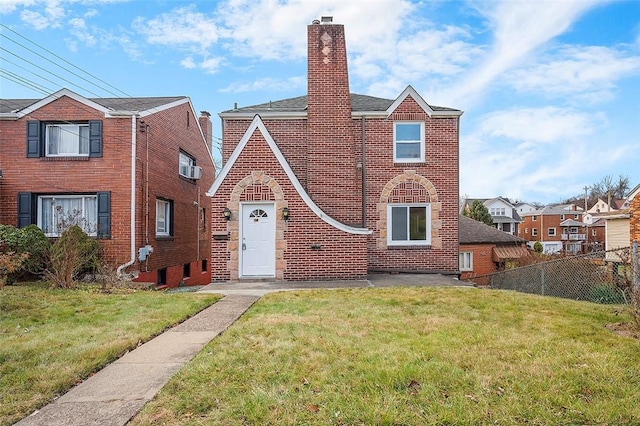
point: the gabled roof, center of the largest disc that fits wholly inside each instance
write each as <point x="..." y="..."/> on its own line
<point x="257" y="124"/>
<point x="473" y="232"/>
<point x="16" y="108"/>
<point x="635" y="191"/>
<point x="360" y="105"/>
<point x="558" y="209"/>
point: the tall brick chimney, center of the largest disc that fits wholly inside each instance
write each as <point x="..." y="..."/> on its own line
<point x="332" y="176"/>
<point x="206" y="126"/>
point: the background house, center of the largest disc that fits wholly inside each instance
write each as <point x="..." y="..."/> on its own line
<point x="485" y="250"/>
<point x="131" y="171"/>
<point x="504" y="214"/>
<point x="334" y="184"/>
<point x="544" y="225"/>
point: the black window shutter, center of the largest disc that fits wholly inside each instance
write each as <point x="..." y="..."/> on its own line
<point x="104" y="214"/>
<point x="33" y="139"/>
<point x="95" y="138"/>
<point x="25" y="209"/>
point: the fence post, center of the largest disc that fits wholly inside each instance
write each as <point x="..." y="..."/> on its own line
<point x="635" y="264"/>
<point x="542" y="280"/>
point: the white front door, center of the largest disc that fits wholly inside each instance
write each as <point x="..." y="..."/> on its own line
<point x="258" y="240"/>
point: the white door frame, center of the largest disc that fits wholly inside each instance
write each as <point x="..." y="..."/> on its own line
<point x="245" y="209"/>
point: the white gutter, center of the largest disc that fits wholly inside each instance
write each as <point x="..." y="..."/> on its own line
<point x="133" y="198"/>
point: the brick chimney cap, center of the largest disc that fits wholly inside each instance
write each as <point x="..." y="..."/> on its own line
<point x="326" y="19"/>
<point x="205" y="113"/>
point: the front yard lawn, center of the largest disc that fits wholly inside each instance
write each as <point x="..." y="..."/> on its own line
<point x="53" y="339"/>
<point x="410" y="356"/>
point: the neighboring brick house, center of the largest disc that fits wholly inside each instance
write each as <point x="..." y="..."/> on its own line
<point x="504" y="214"/>
<point x="634" y="209"/>
<point x="554" y="227"/>
<point x="485" y="250"/>
<point x="132" y="171"/>
<point x="333" y="184"/>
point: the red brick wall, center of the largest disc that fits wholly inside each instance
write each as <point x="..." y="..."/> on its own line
<point x="483" y="263"/>
<point x="169" y="131"/>
<point x="111" y="172"/>
<point x="440" y="168"/>
<point x="340" y="255"/>
<point x="634" y="220"/>
<point x="330" y="141"/>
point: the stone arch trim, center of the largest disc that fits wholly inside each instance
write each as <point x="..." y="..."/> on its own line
<point x="417" y="189"/>
<point x="249" y="189"/>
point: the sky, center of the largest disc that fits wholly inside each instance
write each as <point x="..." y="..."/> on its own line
<point x="550" y="89"/>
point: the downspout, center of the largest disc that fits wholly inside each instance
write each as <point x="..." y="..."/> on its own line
<point x="364" y="174"/>
<point x="133" y="199"/>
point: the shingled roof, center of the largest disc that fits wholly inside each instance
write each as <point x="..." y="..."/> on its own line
<point x="473" y="232"/>
<point x="114" y="104"/>
<point x="359" y="103"/>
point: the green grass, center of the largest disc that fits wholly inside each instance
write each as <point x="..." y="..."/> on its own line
<point x="52" y="339"/>
<point x="412" y="356"/>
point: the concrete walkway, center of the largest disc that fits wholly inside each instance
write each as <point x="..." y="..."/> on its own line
<point x="116" y="393"/>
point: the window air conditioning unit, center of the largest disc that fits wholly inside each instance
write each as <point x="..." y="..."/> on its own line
<point x="195" y="172"/>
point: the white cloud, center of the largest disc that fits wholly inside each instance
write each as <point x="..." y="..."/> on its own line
<point x="584" y="73"/>
<point x="519" y="29"/>
<point x="271" y="30"/>
<point x="544" y="153"/>
<point x="8" y="6"/>
<point x="268" y="83"/>
<point x="184" y="27"/>
<point x="539" y="125"/>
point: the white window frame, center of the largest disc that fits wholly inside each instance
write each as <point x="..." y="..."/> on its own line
<point x="72" y="131"/>
<point x="163" y="211"/>
<point x="88" y="226"/>
<point x="594" y="233"/>
<point x="551" y="232"/>
<point x="421" y="141"/>
<point x="465" y="261"/>
<point x="534" y="218"/>
<point x="186" y="162"/>
<point x="534" y="232"/>
<point x="409" y="242"/>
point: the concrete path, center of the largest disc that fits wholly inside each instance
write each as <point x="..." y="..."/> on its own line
<point x="115" y="394"/>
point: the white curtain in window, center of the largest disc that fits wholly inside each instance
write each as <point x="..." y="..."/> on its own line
<point x="60" y="213"/>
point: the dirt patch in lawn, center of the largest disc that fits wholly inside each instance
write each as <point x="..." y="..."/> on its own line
<point x="624" y="329"/>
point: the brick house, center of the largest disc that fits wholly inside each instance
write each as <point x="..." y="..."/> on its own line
<point x="131" y="171"/>
<point x="559" y="228"/>
<point x="334" y="184"/>
<point x="634" y="209"/>
<point x="485" y="249"/>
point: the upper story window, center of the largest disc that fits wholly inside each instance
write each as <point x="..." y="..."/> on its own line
<point x="534" y="218"/>
<point x="408" y="142"/>
<point x="186" y="165"/>
<point x="408" y="224"/>
<point x="67" y="140"/>
<point x="498" y="211"/>
<point x="551" y="232"/>
<point x="64" y="139"/>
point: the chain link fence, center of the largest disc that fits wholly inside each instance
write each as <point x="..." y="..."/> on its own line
<point x="600" y="277"/>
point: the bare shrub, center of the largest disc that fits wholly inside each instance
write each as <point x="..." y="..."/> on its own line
<point x="72" y="254"/>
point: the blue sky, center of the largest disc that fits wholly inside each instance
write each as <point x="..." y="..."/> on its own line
<point x="550" y="89"/>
